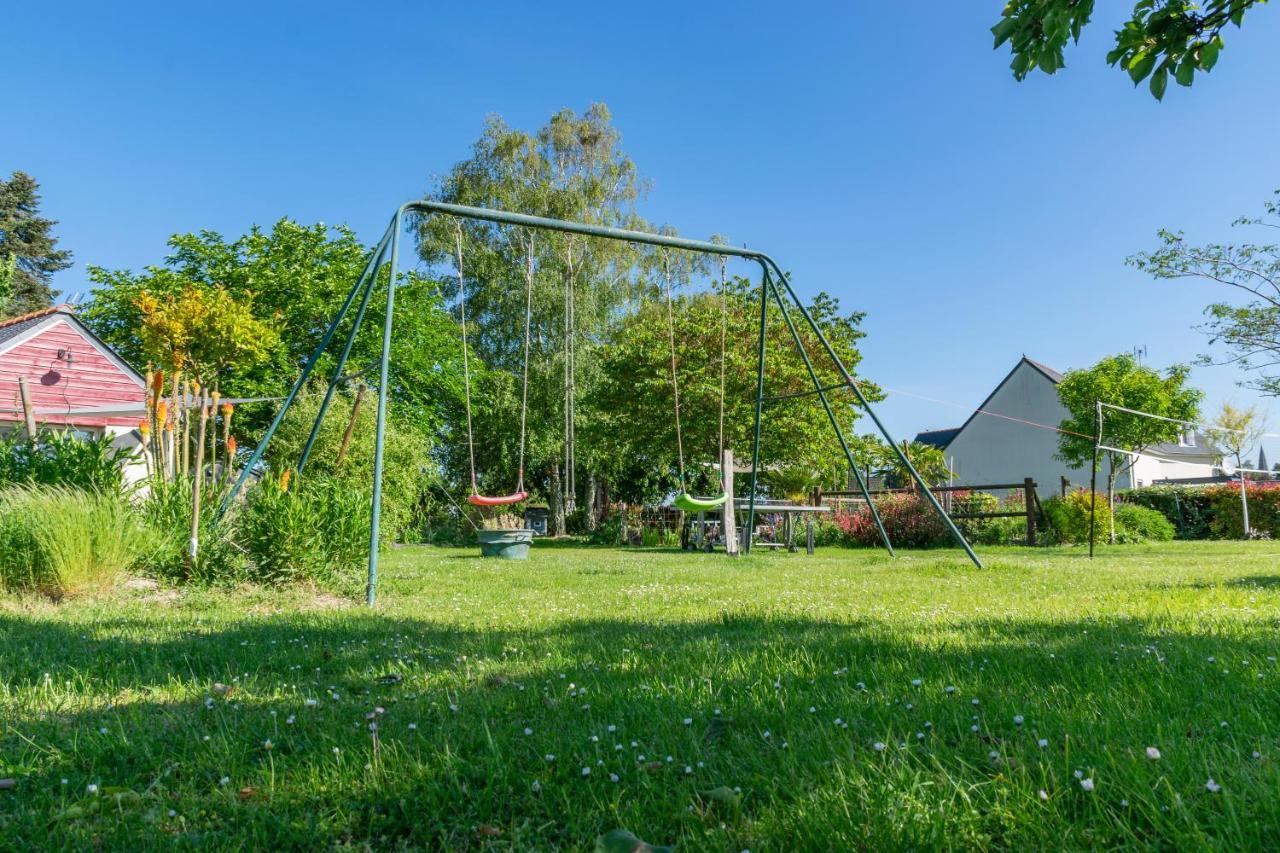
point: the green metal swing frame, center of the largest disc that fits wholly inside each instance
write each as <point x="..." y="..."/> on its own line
<point x="773" y="283"/>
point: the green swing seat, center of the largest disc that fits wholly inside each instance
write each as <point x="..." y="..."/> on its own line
<point x="689" y="503"/>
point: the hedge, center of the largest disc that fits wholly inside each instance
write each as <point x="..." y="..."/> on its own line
<point x="1213" y="512"/>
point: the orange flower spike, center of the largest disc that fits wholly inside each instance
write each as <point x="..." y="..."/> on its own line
<point x="144" y="427"/>
<point x="284" y="480"/>
<point x="227" y="409"/>
<point x="162" y="412"/>
<point x="231" y="446"/>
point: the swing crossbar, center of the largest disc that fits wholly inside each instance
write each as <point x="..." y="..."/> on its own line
<point x="498" y="500"/>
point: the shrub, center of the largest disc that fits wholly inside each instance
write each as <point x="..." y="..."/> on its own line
<point x="405" y="454"/>
<point x="1189" y="508"/>
<point x="60" y="457"/>
<point x="60" y="540"/>
<point x="1136" y="523"/>
<point x="1227" y="516"/>
<point x="909" y="520"/>
<point x="1069" y="517"/>
<point x="316" y="531"/>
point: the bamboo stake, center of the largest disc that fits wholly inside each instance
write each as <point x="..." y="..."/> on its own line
<point x="213" y="432"/>
<point x="185" y="413"/>
<point x="197" y="485"/>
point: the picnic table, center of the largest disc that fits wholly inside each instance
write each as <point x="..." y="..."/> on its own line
<point x="775" y="525"/>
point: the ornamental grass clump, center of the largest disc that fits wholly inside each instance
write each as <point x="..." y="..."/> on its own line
<point x="59" y="540"/>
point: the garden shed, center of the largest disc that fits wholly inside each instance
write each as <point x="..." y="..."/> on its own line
<point x="74" y="380"/>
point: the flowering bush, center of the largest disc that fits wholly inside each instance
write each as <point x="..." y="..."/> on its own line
<point x="909" y="520"/>
<point x="1069" y="517"/>
<point x="1227" y="516"/>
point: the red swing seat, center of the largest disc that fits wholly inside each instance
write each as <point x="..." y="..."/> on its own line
<point x="499" y="500"/>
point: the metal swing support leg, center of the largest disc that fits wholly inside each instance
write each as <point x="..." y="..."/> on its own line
<point x="370" y="276"/>
<point x="749" y="533"/>
<point x="853" y="386"/>
<point x="384" y="374"/>
<point x="831" y="415"/>
<point x="298" y="384"/>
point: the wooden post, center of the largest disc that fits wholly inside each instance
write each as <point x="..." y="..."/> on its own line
<point x="1065" y="484"/>
<point x="729" y="530"/>
<point x="27" y="411"/>
<point x="351" y="425"/>
<point x="1029" y="497"/>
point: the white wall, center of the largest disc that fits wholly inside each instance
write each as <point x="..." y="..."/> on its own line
<point x="126" y="437"/>
<point x="994" y="450"/>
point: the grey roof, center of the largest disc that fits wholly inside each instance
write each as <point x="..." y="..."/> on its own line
<point x="12" y="330"/>
<point x="1045" y="369"/>
<point x="938" y="438"/>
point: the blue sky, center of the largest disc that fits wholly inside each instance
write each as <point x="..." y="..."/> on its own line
<point x="881" y="154"/>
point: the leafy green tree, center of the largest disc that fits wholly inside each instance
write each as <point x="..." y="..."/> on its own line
<point x="634" y="404"/>
<point x="1162" y="39"/>
<point x="1121" y="381"/>
<point x="572" y="168"/>
<point x="295" y="277"/>
<point x="28" y="250"/>
<point x="1249" y="331"/>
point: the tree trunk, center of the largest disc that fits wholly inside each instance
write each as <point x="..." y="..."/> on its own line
<point x="593" y="502"/>
<point x="557" y="503"/>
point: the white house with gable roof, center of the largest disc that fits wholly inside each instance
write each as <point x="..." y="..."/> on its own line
<point x="1013" y="435"/>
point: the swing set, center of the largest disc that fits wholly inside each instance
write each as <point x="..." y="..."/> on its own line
<point x="773" y="284"/>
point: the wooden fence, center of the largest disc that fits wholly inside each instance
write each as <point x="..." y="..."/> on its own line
<point x="1031" y="509"/>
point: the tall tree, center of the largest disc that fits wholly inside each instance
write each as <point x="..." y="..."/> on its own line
<point x="634" y="404"/>
<point x="1249" y="331"/>
<point x="28" y="250"/>
<point x="1162" y="39"/>
<point x="1121" y="381"/>
<point x="572" y="168"/>
<point x="294" y="277"/>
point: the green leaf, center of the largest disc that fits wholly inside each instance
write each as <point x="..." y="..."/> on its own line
<point x="1140" y="65"/>
<point x="1185" y="71"/>
<point x="1209" y="55"/>
<point x="1159" y="81"/>
<point x="1114" y="55"/>
<point x="1003" y="30"/>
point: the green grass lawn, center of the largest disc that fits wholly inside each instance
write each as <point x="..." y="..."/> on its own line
<point x="777" y="702"/>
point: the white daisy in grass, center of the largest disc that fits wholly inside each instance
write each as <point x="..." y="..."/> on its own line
<point x="812" y="709"/>
<point x="1018" y="719"/>
<point x="224" y="781"/>
<point x="91" y="789"/>
<point x="613" y="777"/>
<point x="1212" y="787"/>
<point x="1042" y="743"/>
<point x="688" y="721"/>
<point x="586" y="771"/>
<point x="950" y="688"/>
<point x="916" y="682"/>
<point x="528" y="731"/>
<point x="1153" y="753"/>
<point x="1044" y="795"/>
<point x="1086" y="784"/>
<point x="549" y="757"/>
<point x="878" y="746"/>
<point x="536" y="787"/>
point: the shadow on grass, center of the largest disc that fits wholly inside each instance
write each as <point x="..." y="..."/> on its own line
<point x="472" y="692"/>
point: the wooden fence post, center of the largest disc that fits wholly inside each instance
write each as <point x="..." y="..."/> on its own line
<point x="28" y="412"/>
<point x="1029" y="497"/>
<point x="1065" y="484"/>
<point x="727" y="525"/>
